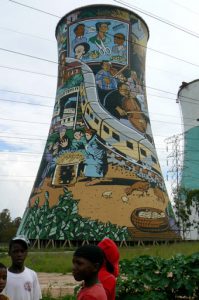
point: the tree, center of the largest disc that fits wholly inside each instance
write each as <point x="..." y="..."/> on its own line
<point x="186" y="204"/>
<point x="8" y="227"/>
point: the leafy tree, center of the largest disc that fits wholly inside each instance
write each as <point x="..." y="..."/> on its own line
<point x="8" y="227"/>
<point x="187" y="203"/>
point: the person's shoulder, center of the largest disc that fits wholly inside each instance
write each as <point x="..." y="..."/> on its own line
<point x="3" y="297"/>
<point x="30" y="271"/>
<point x="104" y="275"/>
<point x="95" y="292"/>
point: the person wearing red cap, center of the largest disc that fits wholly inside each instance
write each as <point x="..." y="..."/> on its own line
<point x="110" y="268"/>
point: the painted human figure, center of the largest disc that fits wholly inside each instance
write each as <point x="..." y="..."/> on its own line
<point x="79" y="141"/>
<point x="104" y="78"/>
<point x="134" y="84"/>
<point x="81" y="50"/>
<point x="79" y="31"/>
<point x="95" y="160"/>
<point x="113" y="102"/>
<point x="101" y="36"/>
<point x="61" y="69"/>
<point x="119" y="48"/>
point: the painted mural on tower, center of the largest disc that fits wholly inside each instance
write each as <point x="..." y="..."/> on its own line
<point x="99" y="175"/>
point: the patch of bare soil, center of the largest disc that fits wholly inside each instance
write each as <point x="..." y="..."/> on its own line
<point x="57" y="284"/>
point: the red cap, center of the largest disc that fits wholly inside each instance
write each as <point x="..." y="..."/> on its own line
<point x="111" y="253"/>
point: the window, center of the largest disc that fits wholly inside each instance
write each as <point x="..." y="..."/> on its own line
<point x="129" y="145"/>
<point x="154" y="159"/>
<point x="115" y="136"/>
<point x="88" y="111"/>
<point x="106" y="129"/>
<point x="91" y="115"/>
<point x="96" y="121"/>
<point x="143" y="152"/>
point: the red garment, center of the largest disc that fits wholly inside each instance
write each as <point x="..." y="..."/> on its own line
<point x="108" y="279"/>
<point x="109" y="282"/>
<point x="95" y="292"/>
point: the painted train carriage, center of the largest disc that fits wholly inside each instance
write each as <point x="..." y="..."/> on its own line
<point x="131" y="145"/>
<point x="99" y="175"/>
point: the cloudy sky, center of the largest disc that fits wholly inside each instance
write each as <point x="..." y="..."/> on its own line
<point x="28" y="85"/>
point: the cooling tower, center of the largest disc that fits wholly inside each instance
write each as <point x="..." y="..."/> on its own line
<point x="100" y="175"/>
<point x="189" y="103"/>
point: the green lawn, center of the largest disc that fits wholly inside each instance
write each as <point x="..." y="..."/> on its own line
<point x="61" y="261"/>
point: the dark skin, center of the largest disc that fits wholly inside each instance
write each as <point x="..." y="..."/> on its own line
<point x="18" y="253"/>
<point x="3" y="278"/>
<point x="84" y="269"/>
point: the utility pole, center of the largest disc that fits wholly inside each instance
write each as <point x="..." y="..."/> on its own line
<point x="174" y="161"/>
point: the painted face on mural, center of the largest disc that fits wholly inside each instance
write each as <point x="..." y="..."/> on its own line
<point x="79" y="30"/>
<point x="88" y="136"/>
<point x="78" y="135"/>
<point x="119" y="39"/>
<point x="124" y="90"/>
<point x="103" y="28"/>
<point x="79" y="51"/>
<point x="106" y="66"/>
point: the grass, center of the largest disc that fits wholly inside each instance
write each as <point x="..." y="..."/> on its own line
<point x="61" y="261"/>
<point x="62" y="298"/>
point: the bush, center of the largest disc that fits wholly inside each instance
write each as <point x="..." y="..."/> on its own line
<point x="148" y="278"/>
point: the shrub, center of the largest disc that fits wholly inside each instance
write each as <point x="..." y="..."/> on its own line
<point x="147" y="277"/>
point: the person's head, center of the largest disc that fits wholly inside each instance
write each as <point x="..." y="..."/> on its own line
<point x="81" y="49"/>
<point x="119" y="39"/>
<point x="123" y="89"/>
<point x="62" y="131"/>
<point x="102" y="26"/>
<point x="87" y="261"/>
<point x="18" y="250"/>
<point x="79" y="30"/>
<point x="3" y="276"/>
<point x="78" y="135"/>
<point x="89" y="133"/>
<point x="111" y="255"/>
<point x="134" y="75"/>
<point x="106" y="65"/>
<point x="62" y="58"/>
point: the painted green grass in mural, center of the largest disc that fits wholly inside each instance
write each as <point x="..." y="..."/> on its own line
<point x="45" y="261"/>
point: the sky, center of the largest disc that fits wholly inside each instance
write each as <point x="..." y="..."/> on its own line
<point x="172" y="57"/>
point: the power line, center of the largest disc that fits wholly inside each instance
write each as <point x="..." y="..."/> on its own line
<point x="24" y="121"/>
<point x="185" y="7"/>
<point x="22" y="138"/>
<point x="16" y="101"/>
<point x="128" y="5"/>
<point x="21" y="153"/>
<point x="160" y="121"/>
<point x="190" y="32"/>
<point x="36" y="9"/>
<point x="26" y="34"/>
<point x="28" y="55"/>
<point x="27" y="94"/>
<point x="27" y="71"/>
<point x="4" y="175"/>
<point x="128" y="41"/>
<point x="13" y="180"/>
<point x="149" y="87"/>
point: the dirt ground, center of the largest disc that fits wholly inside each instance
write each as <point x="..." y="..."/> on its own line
<point x="57" y="284"/>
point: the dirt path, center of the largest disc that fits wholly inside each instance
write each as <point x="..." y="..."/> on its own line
<point x="57" y="284"/>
